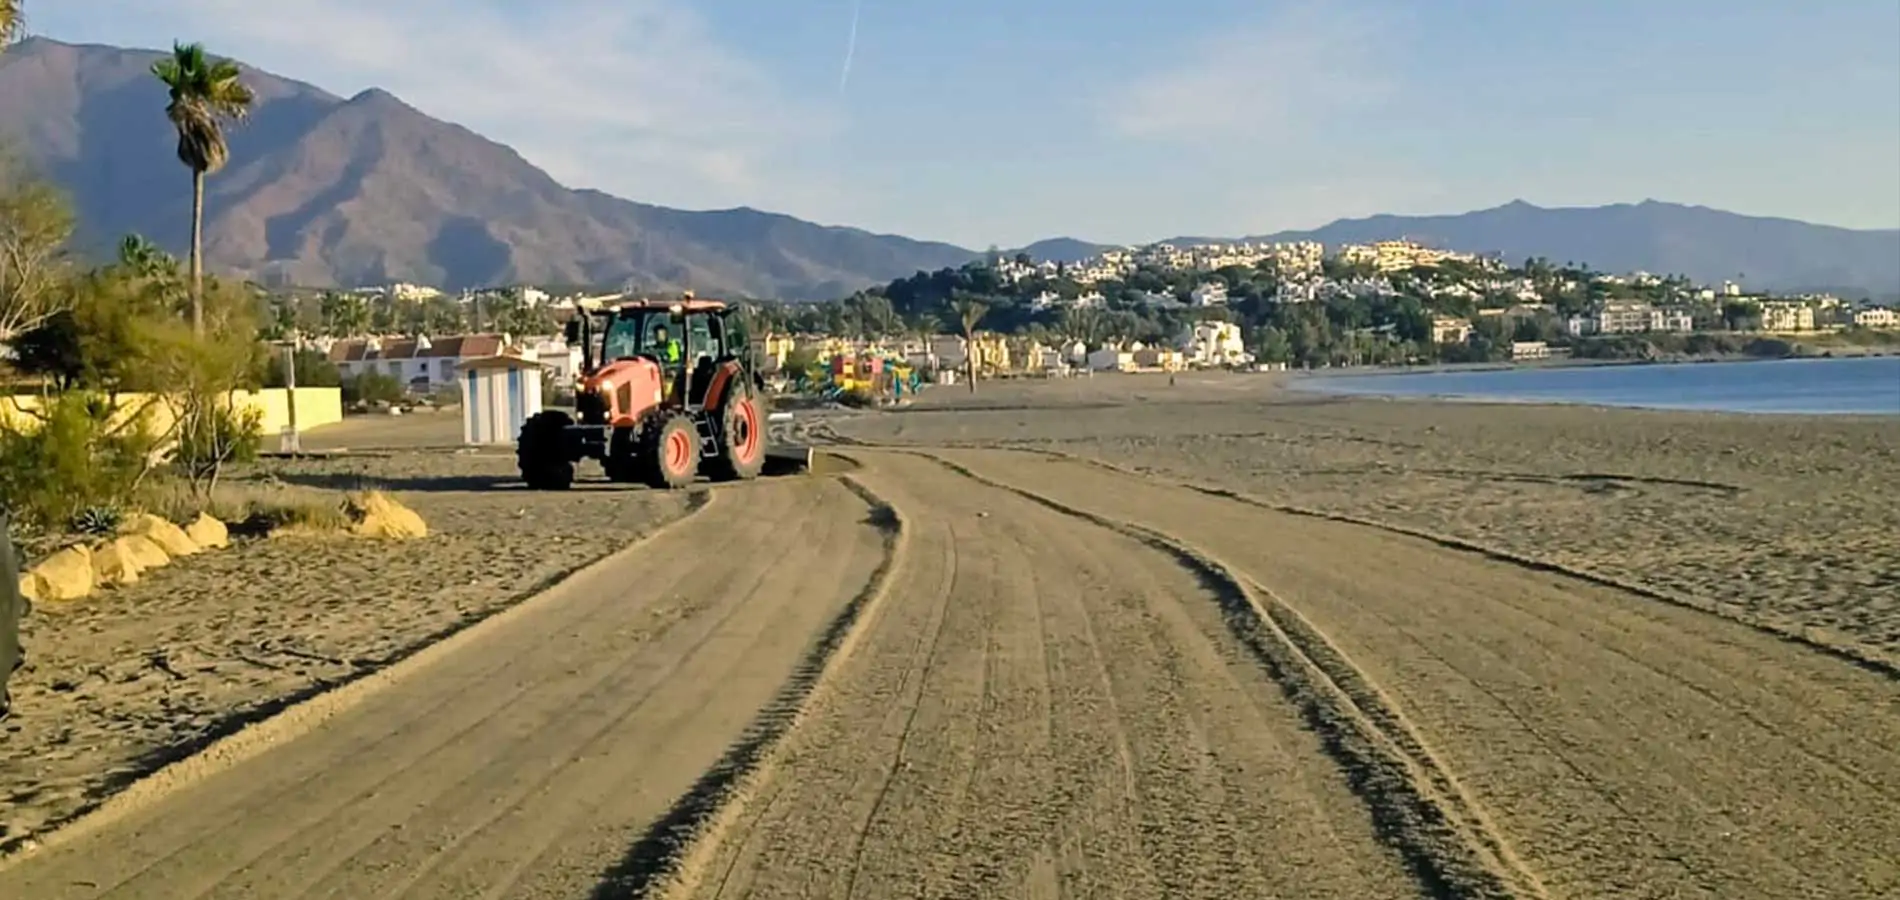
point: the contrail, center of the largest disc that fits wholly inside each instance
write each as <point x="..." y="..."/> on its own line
<point x="850" y="45"/>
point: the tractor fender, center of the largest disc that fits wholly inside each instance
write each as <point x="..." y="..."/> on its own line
<point x="728" y="380"/>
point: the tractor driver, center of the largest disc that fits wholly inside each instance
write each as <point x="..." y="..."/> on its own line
<point x="667" y="350"/>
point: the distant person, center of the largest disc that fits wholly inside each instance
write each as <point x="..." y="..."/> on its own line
<point x="12" y="608"/>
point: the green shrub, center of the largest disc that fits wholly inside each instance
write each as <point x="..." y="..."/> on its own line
<point x="371" y="387"/>
<point x="212" y="433"/>
<point x="98" y="520"/>
<point x="73" y="459"/>
<point x="313" y="370"/>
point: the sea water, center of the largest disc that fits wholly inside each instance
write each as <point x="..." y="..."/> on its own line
<point x="1864" y="385"/>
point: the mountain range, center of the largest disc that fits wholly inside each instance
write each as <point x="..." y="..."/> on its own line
<point x="328" y="191"/>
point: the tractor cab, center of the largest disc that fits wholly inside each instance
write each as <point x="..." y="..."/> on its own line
<point x="686" y="339"/>
<point x="668" y="390"/>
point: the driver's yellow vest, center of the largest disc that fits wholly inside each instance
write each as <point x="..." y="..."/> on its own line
<point x="670" y="351"/>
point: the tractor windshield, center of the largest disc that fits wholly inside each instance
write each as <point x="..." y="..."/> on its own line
<point x="631" y="335"/>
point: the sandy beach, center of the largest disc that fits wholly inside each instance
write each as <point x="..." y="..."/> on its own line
<point x="144" y="674"/>
<point x="1787" y="519"/>
<point x="1094" y="637"/>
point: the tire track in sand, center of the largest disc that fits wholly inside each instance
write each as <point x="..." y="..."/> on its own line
<point x="520" y="761"/>
<point x="1044" y="708"/>
<point x="1422" y="808"/>
<point x="671" y="857"/>
<point x="1842" y="647"/>
<point x="1626" y="748"/>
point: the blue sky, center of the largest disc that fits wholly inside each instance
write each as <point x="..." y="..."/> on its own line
<point x="1005" y="121"/>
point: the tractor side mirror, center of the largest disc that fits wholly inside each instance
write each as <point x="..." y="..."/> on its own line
<point x="573" y="331"/>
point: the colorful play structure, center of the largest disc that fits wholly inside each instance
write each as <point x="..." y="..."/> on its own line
<point x="885" y="378"/>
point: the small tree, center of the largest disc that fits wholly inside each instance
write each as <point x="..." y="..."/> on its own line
<point x="35" y="223"/>
<point x="198" y="376"/>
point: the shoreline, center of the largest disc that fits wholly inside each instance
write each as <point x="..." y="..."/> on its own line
<point x="1584" y="363"/>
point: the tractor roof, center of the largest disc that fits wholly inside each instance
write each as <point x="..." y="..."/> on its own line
<point x="650" y="305"/>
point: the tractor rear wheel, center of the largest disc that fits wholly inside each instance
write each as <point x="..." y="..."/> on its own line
<point x="542" y="452"/>
<point x="741" y="441"/>
<point x="670" y="452"/>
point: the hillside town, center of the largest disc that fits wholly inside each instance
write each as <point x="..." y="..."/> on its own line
<point x="1159" y="307"/>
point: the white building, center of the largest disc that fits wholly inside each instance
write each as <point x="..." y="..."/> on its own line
<point x="421" y="364"/>
<point x="1214" y="344"/>
<point x="1211" y="293"/>
<point x="1787" y="316"/>
<point x="1876" y="317"/>
<point x="562" y="362"/>
<point x="1630" y="318"/>
<point x="417" y="292"/>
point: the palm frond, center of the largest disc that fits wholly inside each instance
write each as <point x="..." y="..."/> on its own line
<point x="12" y="21"/>
<point x="204" y="94"/>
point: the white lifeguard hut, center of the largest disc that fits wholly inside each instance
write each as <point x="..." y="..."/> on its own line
<point x="499" y="393"/>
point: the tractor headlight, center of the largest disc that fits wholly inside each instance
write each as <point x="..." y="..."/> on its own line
<point x="606" y="386"/>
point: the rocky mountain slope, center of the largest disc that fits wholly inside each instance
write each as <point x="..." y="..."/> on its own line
<point x="367" y="190"/>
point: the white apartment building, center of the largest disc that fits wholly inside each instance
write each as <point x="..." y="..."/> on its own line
<point x="412" y="292"/>
<point x="1877" y="317"/>
<point x="1786" y="315"/>
<point x="1631" y="318"/>
<point x="1448" y="330"/>
<point x="1214" y="344"/>
<point x="1211" y="293"/>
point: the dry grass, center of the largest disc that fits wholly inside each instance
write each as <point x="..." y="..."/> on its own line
<point x="256" y="504"/>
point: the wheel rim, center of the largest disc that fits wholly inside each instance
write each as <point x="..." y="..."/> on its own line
<point x="745" y="426"/>
<point x="678" y="448"/>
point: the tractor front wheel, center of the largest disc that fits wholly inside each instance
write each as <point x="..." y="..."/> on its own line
<point x="542" y="452"/>
<point x="741" y="441"/>
<point x="670" y="452"/>
<point x="624" y="462"/>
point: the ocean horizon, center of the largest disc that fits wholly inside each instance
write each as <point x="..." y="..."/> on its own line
<point x="1828" y="386"/>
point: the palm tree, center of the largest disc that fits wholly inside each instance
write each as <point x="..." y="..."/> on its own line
<point x="12" y="21"/>
<point x="205" y="93"/>
<point x="968" y="311"/>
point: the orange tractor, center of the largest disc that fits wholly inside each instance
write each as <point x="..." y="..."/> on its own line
<point x="668" y="391"/>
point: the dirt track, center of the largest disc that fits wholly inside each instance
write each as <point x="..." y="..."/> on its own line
<point x="1042" y="678"/>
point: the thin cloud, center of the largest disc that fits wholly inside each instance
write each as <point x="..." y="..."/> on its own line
<point x="636" y="97"/>
<point x="1276" y="77"/>
<point x="850" y="45"/>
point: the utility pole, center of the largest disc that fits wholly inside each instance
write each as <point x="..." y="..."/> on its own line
<point x="289" y="442"/>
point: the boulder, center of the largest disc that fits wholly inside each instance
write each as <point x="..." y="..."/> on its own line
<point x="169" y="537"/>
<point x="144" y="551"/>
<point x="114" y="564"/>
<point x="377" y="515"/>
<point x="208" y="533"/>
<point x="66" y="575"/>
<point x="32" y="587"/>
